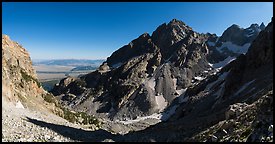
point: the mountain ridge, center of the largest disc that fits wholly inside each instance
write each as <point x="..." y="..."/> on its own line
<point x="157" y="68"/>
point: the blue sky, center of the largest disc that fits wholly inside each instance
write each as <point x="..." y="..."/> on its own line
<point x="95" y="30"/>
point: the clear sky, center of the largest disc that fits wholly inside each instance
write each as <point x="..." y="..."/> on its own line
<point x="95" y="30"/>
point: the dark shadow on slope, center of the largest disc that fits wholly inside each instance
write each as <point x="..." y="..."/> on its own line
<point x="77" y="134"/>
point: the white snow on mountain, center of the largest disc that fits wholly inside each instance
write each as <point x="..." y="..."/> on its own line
<point x="244" y="87"/>
<point x="221" y="64"/>
<point x="117" y="65"/>
<point x="233" y="47"/>
<point x="211" y="43"/>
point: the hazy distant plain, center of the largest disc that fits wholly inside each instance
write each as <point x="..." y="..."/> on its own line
<point x="54" y="72"/>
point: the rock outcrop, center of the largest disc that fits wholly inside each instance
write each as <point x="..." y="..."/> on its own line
<point x="151" y="73"/>
<point x="145" y="76"/>
<point x="19" y="81"/>
<point x="234" y="105"/>
<point x="233" y="42"/>
<point x="26" y="105"/>
<point x="206" y="88"/>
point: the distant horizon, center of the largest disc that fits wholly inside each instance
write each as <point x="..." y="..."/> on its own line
<point x="65" y="59"/>
<point x="93" y="31"/>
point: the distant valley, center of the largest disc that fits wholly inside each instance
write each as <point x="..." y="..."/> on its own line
<point x="50" y="72"/>
<point x="175" y="85"/>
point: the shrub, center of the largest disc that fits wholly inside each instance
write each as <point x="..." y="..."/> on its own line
<point x="49" y="98"/>
<point x="28" y="78"/>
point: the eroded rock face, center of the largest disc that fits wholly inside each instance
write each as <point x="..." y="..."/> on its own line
<point x="234" y="105"/>
<point x="146" y="75"/>
<point x="240" y="36"/>
<point x="19" y="80"/>
<point x="255" y="66"/>
<point x="233" y="42"/>
<point x="152" y="73"/>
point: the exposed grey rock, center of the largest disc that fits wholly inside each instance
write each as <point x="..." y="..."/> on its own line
<point x="134" y="78"/>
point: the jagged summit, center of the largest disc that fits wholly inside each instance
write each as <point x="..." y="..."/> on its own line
<point x="146" y="34"/>
<point x="234" y="26"/>
<point x="153" y="75"/>
<point x="262" y="26"/>
<point x="176" y="22"/>
<point x="147" y="67"/>
<point x="167" y="76"/>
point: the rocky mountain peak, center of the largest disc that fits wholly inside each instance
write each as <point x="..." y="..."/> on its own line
<point x="262" y="26"/>
<point x="234" y="26"/>
<point x="146" y="34"/>
<point x="261" y="51"/>
<point x="254" y="27"/>
<point x="148" y="73"/>
<point x="254" y="64"/>
<point x="166" y="35"/>
<point x="137" y="47"/>
<point x="176" y="22"/>
<point x="239" y="36"/>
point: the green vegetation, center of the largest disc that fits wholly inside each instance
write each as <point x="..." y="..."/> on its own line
<point x="22" y="98"/>
<point x="28" y="78"/>
<point x="246" y="133"/>
<point x="80" y="83"/>
<point x="49" y="98"/>
<point x="80" y="117"/>
<point x="71" y="116"/>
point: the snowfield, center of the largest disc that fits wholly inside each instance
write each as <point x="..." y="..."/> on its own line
<point x="234" y="48"/>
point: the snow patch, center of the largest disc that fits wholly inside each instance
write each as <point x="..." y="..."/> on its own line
<point x="19" y="105"/>
<point x="234" y="48"/>
<point x="244" y="87"/>
<point x="153" y="116"/>
<point x="183" y="98"/>
<point x="117" y="65"/>
<point x="181" y="91"/>
<point x="167" y="114"/>
<point x="249" y="35"/>
<point x="162" y="116"/>
<point x="159" y="116"/>
<point x="211" y="43"/>
<point x="219" y="92"/>
<point x="199" y="78"/>
<point x="210" y="65"/>
<point x="221" y="77"/>
<point x="221" y="64"/>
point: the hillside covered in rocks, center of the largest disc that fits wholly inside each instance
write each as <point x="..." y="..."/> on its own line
<point x="174" y="85"/>
<point x="235" y="105"/>
<point x="25" y="102"/>
<point x="150" y="75"/>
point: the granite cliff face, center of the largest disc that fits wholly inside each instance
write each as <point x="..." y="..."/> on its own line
<point x="25" y="102"/>
<point x="233" y="42"/>
<point x="234" y="105"/>
<point x="151" y="74"/>
<point x="205" y="87"/>
<point x="19" y="81"/>
<point x="185" y="78"/>
<point x="143" y="77"/>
